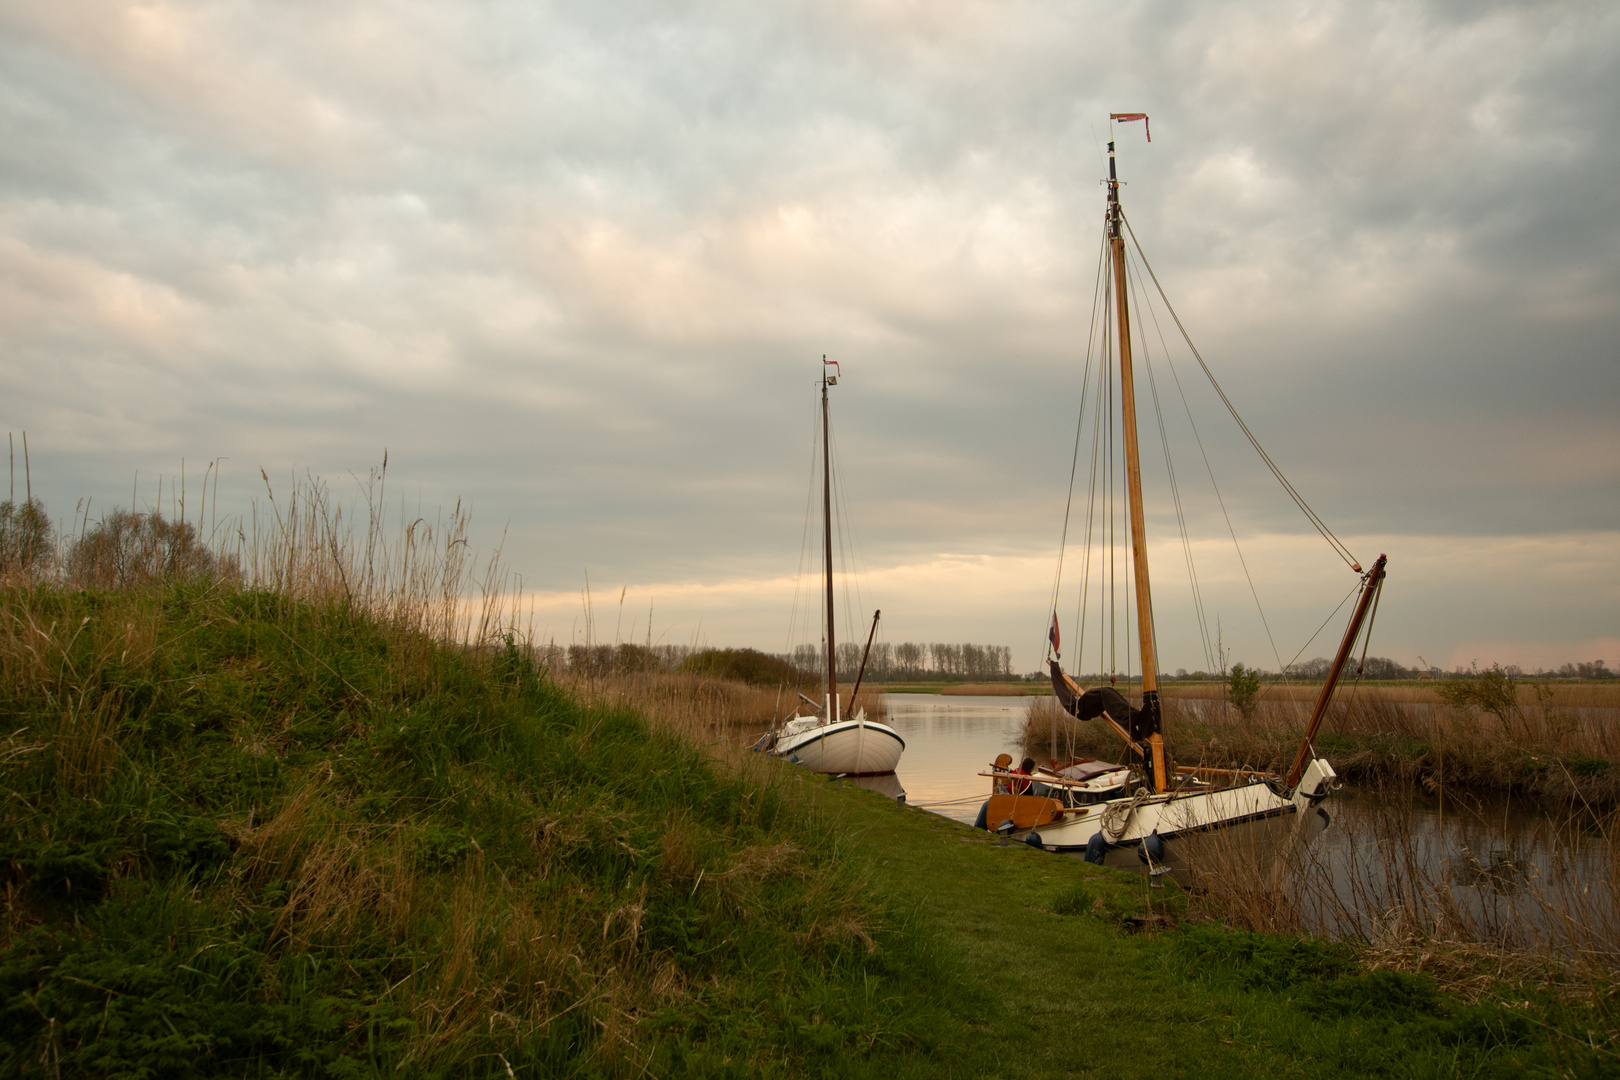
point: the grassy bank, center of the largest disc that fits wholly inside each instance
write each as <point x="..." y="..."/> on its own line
<point x="1559" y="742"/>
<point x="250" y="835"/>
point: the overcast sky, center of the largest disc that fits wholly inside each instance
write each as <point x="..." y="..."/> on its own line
<point x="576" y="264"/>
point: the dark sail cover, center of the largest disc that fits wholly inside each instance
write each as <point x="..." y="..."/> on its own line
<point x="1090" y="704"/>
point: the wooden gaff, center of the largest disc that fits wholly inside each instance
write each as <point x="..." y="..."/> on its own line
<point x="1369" y="589"/>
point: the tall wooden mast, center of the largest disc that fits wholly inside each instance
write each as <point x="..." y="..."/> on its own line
<point x="1147" y="726"/>
<point x="826" y="518"/>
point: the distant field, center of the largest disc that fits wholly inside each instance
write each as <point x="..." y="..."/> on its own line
<point x="1006" y="689"/>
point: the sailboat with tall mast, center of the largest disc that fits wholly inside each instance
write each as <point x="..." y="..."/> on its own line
<point x="825" y="741"/>
<point x="1140" y="811"/>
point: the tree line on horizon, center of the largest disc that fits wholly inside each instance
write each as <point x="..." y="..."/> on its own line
<point x="1382" y="668"/>
<point x="906" y="662"/>
<point x="911" y="661"/>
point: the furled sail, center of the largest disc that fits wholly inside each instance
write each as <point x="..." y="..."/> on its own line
<point x="1090" y="704"/>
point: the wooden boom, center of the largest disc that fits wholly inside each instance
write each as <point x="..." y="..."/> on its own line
<point x="1369" y="589"/>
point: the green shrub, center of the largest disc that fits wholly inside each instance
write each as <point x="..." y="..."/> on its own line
<point x="1242" y="687"/>
<point x="749" y="666"/>
<point x="1493" y="690"/>
<point x="25" y="536"/>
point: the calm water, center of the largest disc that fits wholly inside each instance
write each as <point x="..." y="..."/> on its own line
<point x="949" y="741"/>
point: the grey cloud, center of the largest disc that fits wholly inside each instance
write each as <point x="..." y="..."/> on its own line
<point x="577" y="262"/>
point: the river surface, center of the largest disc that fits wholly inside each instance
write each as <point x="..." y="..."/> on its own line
<point x="1493" y="862"/>
<point x="949" y="741"/>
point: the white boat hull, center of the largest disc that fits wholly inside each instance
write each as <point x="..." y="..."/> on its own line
<point x="1254" y="817"/>
<point x="855" y="747"/>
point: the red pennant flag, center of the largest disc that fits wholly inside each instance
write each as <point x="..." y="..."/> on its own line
<point x="1126" y="116"/>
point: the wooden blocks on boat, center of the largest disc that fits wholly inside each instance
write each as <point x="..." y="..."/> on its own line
<point x="1025" y="811"/>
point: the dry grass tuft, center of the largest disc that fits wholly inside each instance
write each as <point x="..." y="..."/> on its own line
<point x="701" y="706"/>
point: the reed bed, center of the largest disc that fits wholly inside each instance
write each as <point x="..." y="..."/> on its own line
<point x="1556" y="742"/>
<point x="1435" y="864"/>
<point x="700" y="706"/>
<point x="1487" y="909"/>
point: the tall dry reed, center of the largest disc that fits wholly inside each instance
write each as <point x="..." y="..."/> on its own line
<point x="1474" y="898"/>
<point x="1559" y="742"/>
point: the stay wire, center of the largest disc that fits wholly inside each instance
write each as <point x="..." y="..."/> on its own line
<point x="1210" y="651"/>
<point x="1353" y="590"/>
<point x="1175" y="490"/>
<point x="1299" y="500"/>
<point x="851" y="564"/>
<point x="1366" y="641"/>
<point x="804" y="540"/>
<point x="1100" y="415"/>
<point x="1079" y="428"/>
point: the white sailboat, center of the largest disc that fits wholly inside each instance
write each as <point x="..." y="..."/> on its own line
<point x="1146" y="811"/>
<point x="824" y="740"/>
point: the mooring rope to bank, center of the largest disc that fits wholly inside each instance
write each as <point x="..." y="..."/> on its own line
<point x="947" y="802"/>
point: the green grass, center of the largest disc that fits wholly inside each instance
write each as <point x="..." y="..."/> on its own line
<point x="248" y="837"/>
<point x="1065" y="987"/>
<point x="243" y="836"/>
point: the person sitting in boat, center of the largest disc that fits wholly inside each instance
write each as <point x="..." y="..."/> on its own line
<point x="1025" y="768"/>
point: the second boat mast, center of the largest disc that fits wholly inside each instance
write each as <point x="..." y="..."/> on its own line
<point x="826" y="518"/>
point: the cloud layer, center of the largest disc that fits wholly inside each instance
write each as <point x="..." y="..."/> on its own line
<point x="577" y="264"/>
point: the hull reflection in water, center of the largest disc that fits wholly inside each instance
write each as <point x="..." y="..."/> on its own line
<point x="887" y="784"/>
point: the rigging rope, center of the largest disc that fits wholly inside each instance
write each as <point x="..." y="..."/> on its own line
<point x="1353" y="591"/>
<point x="1175" y="490"/>
<point x="1219" y="498"/>
<point x="804" y="540"/>
<point x="1074" y="465"/>
<point x="1299" y="500"/>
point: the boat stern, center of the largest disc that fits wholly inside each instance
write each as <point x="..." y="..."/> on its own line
<point x="1315" y="785"/>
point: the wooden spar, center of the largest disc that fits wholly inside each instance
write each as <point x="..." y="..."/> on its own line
<point x="1122" y="733"/>
<point x="826" y="518"/>
<point x="861" y="674"/>
<point x="1369" y="589"/>
<point x="1133" y="470"/>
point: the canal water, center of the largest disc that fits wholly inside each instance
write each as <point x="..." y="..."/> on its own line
<point x="1503" y="867"/>
<point x="949" y="741"/>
